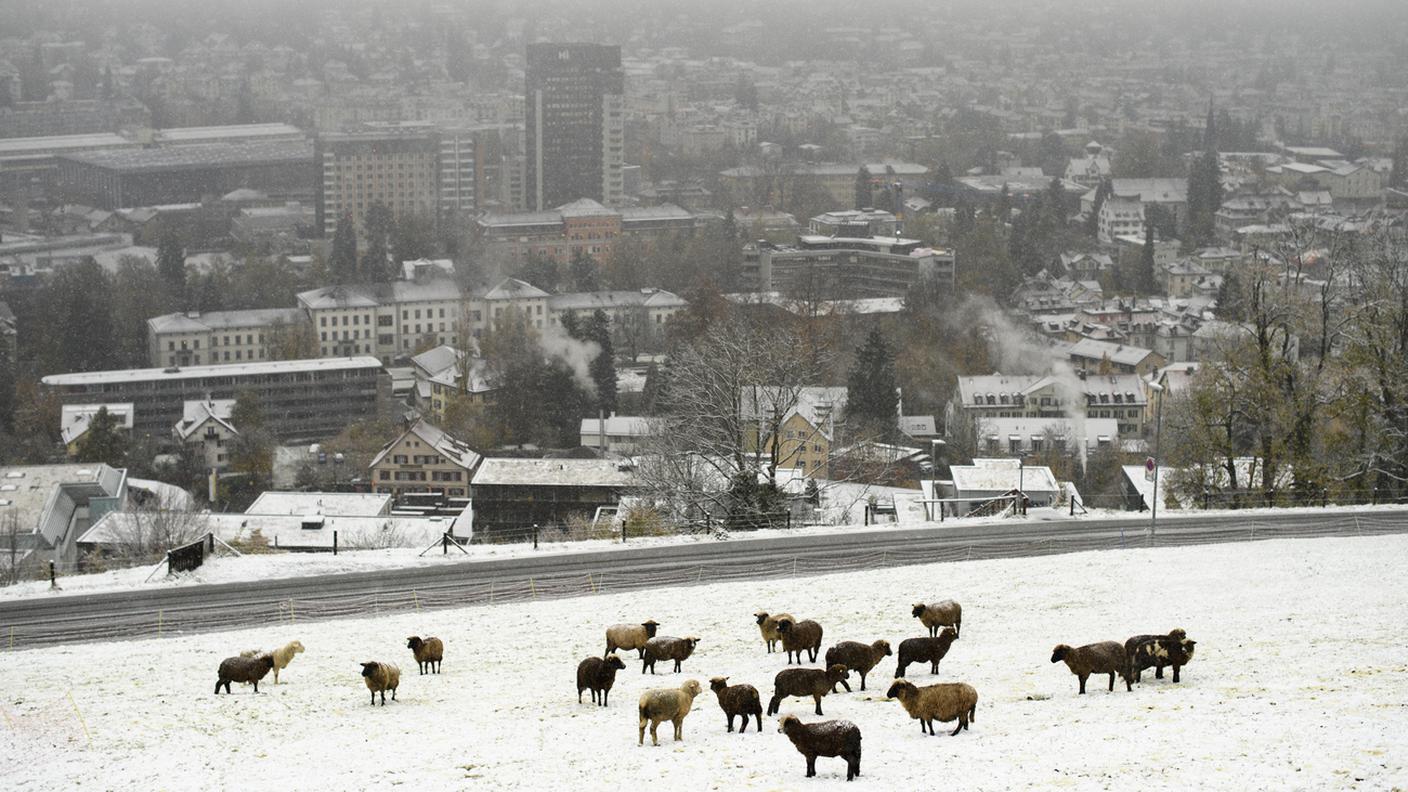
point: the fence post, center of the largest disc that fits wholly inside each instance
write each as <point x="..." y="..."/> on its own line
<point x="708" y="523"/>
<point x="535" y="536"/>
<point x="444" y="544"/>
<point x="334" y="542"/>
<point x="53" y="581"/>
<point x="789" y="520"/>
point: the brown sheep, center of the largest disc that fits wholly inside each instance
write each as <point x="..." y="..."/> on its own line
<point x="803" y="682"/>
<point x="858" y="657"/>
<point x="737" y="700"/>
<point x="1157" y="651"/>
<point x="428" y="652"/>
<point x="925" y="650"/>
<point x="798" y="637"/>
<point x="381" y="677"/>
<point x="828" y="738"/>
<point x="668" y="704"/>
<point x="630" y="636"/>
<point x="598" y="674"/>
<point x="665" y="647"/>
<point x="1106" y="657"/>
<point x="767" y="625"/>
<point x="942" y="702"/>
<point x="243" y="669"/>
<point x="939" y="614"/>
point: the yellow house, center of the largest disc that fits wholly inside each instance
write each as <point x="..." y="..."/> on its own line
<point x="805" y="434"/>
<point x="424" y="459"/>
<point x="74" y="420"/>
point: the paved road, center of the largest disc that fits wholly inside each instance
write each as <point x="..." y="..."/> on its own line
<point x="165" y="611"/>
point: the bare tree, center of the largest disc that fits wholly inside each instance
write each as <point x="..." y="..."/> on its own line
<point x="147" y="532"/>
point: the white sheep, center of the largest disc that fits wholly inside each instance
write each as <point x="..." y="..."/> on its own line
<point x="666" y="704"/>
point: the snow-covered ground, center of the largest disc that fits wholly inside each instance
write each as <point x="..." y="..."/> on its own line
<point x="1299" y="682"/>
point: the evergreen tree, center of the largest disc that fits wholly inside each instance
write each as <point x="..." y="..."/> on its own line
<point x="603" y="366"/>
<point x="76" y="318"/>
<point x="1092" y="221"/>
<point x="871" y="401"/>
<point x="171" y="264"/>
<point x="1204" y="189"/>
<point x="863" y="196"/>
<point x="104" y="441"/>
<point x="1004" y="205"/>
<point x="1147" y="280"/>
<point x="584" y="273"/>
<point x="1231" y="298"/>
<point x="413" y="238"/>
<point x="377" y="227"/>
<point x="7" y="388"/>
<point x="343" y="261"/>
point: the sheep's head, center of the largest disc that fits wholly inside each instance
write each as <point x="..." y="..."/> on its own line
<point x="784" y="625"/>
<point x="881" y="646"/>
<point x="718" y="684"/>
<point x="918" y="610"/>
<point x="692" y="640"/>
<point x="761" y="616"/>
<point x="370" y="669"/>
<point x="266" y="660"/>
<point x="787" y="722"/>
<point x="295" y="646"/>
<point x="690" y="688"/>
<point x="413" y="642"/>
<point x="612" y="661"/>
<point x="949" y="634"/>
<point x="1188" y="648"/>
<point x="650" y="626"/>
<point x="899" y="687"/>
<point x="1177" y="634"/>
<point x="837" y="672"/>
<point x="1059" y="653"/>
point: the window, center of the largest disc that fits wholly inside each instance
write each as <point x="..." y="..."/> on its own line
<point x="399" y="459"/>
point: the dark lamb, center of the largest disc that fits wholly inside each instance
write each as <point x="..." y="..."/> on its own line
<point x="798" y="637"/>
<point x="803" y="682"/>
<point x="827" y="738"/>
<point x="1157" y="651"/>
<point x="858" y="657"/>
<point x="428" y="652"/>
<point x="243" y="669"/>
<point x="738" y="700"/>
<point x="598" y="674"/>
<point x="666" y="647"/>
<point x="925" y="650"/>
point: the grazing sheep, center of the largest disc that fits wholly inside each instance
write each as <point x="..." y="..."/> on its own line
<point x="1157" y="651"/>
<point x="803" y="682"/>
<point x="798" y="637"/>
<point x="666" y="647"/>
<point x="243" y="669"/>
<point x="942" y="702"/>
<point x="667" y="704"/>
<point x="858" y="657"/>
<point x="1106" y="657"/>
<point x="828" y="738"/>
<point x="598" y="674"/>
<point x="767" y="625"/>
<point x="381" y="677"/>
<point x="925" y="650"/>
<point x="429" y="652"/>
<point x="939" y="614"/>
<point x="738" y="700"/>
<point x="284" y="655"/>
<point x="630" y="636"/>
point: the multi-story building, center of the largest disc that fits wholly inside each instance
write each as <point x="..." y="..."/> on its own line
<point x="625" y="309"/>
<point x="582" y="227"/>
<point x="1118" y="396"/>
<point x="855" y="223"/>
<point x="397" y="168"/>
<point x="194" y="339"/>
<point x="301" y="399"/>
<point x="575" y="130"/>
<point x="127" y="177"/>
<point x="1102" y="357"/>
<point x="424" y="459"/>
<point x="205" y="428"/>
<point x="1119" y="217"/>
<point x="756" y="185"/>
<point x="854" y="266"/>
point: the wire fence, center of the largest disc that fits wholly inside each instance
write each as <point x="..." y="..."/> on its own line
<point x="189" y="612"/>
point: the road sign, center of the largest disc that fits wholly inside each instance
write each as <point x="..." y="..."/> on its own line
<point x="1149" y="469"/>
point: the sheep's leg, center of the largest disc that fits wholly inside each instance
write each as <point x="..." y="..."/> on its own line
<point x="256" y="686"/>
<point x="957" y="728"/>
<point x="818" y="703"/>
<point x="760" y="721"/>
<point x="393" y="694"/>
<point x="679" y="728"/>
<point x="973" y="714"/>
<point x="957" y="626"/>
<point x="1112" y="681"/>
<point x="811" y="765"/>
<point x="1175" y="672"/>
<point x="862" y="681"/>
<point x="654" y="727"/>
<point x="1082" y="678"/>
<point x="276" y="675"/>
<point x="852" y="767"/>
<point x="1158" y="672"/>
<point x="899" y="672"/>
<point x="730" y="722"/>
<point x="845" y="684"/>
<point x="641" y="740"/>
<point x="772" y="706"/>
<point x="677" y="667"/>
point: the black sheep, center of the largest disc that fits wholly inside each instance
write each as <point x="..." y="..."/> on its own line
<point x="925" y="650"/>
<point x="828" y="738"/>
<point x="598" y="674"/>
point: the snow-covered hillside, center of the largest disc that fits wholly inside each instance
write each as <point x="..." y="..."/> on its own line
<point x="1299" y="682"/>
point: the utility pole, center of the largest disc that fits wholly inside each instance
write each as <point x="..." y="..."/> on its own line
<point x="1158" y="434"/>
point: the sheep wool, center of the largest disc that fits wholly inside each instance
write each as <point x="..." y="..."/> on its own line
<point x="736" y="700"/>
<point x="667" y="647"/>
<point x="858" y="657"/>
<point x="925" y="650"/>
<point x="381" y="677"/>
<point x="934" y="615"/>
<point x="667" y="704"/>
<point x="284" y="655"/>
<point x="428" y="653"/>
<point x="803" y="682"/>
<point x="799" y="637"/>
<point x="767" y="625"/>
<point x="598" y="674"/>
<point x="243" y="669"/>
<point x="1157" y="651"/>
<point x="630" y="636"/>
<point x="827" y="738"/>
<point x="942" y="702"/>
<point x="1105" y="657"/>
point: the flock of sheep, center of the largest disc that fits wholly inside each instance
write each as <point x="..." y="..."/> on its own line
<point x="943" y="702"/>
<point x="799" y="639"/>
<point x="252" y="665"/>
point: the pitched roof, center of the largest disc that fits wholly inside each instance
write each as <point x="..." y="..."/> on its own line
<point x="514" y="289"/>
<point x="198" y="412"/>
<point x="454" y="451"/>
<point x="554" y="473"/>
<point x="74" y="419"/>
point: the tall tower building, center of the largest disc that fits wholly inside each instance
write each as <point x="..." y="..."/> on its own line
<point x="575" y="132"/>
<point x="398" y="168"/>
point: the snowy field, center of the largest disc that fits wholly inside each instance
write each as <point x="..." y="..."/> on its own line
<point x="1300" y="682"/>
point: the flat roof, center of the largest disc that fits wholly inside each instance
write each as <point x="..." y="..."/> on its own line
<point x="41" y="145"/>
<point x="197" y="155"/>
<point x="330" y="504"/>
<point x="554" y="473"/>
<point x="191" y="134"/>
<point x="224" y="370"/>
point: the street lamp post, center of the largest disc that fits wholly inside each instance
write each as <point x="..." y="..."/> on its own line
<point x="1158" y="434"/>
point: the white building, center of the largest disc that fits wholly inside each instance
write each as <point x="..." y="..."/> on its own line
<point x="205" y="428"/>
